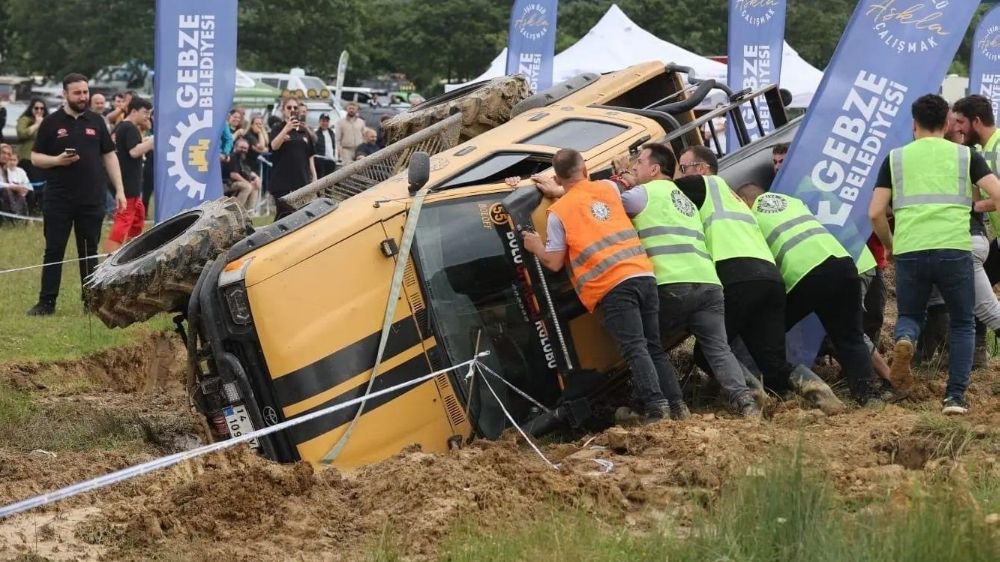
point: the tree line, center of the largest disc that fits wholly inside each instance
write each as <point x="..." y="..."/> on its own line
<point x="427" y="41"/>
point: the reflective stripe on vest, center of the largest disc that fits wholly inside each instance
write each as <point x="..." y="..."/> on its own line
<point x="670" y="230"/>
<point x="730" y="228"/>
<point x="603" y="248"/>
<point x="605" y="264"/>
<point x="797" y="240"/>
<point x="961" y="196"/>
<point x="719" y="211"/>
<point x="931" y="195"/>
<point x="601" y="244"/>
<point x="794" y="241"/>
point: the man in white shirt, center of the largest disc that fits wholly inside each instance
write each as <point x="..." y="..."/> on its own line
<point x="14" y="183"/>
<point x="326" y="148"/>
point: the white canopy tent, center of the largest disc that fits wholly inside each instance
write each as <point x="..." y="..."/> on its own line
<point x="799" y="77"/>
<point x="612" y="44"/>
<point x="616" y="42"/>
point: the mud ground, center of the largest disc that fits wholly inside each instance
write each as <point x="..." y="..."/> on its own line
<point x="236" y="506"/>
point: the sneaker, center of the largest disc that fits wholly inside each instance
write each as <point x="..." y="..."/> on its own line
<point x="627" y="416"/>
<point x="747" y="407"/>
<point x="900" y="375"/>
<point x="679" y="411"/>
<point x="954" y="406"/>
<point x="42" y="309"/>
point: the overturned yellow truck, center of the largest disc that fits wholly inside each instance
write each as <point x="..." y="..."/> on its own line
<point x="287" y="319"/>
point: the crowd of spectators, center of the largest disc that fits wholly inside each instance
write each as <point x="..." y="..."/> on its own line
<point x="287" y="154"/>
<point x="261" y="155"/>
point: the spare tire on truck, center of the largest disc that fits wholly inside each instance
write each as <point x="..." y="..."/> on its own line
<point x="156" y="272"/>
<point x="484" y="106"/>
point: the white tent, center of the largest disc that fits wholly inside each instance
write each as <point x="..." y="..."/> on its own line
<point x="616" y="42"/>
<point x="612" y="44"/>
<point x="799" y="77"/>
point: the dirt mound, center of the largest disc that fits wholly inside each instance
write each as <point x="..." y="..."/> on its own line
<point x="236" y="505"/>
<point x="153" y="361"/>
<point x="249" y="505"/>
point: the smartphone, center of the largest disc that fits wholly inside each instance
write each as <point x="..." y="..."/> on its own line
<point x="71" y="151"/>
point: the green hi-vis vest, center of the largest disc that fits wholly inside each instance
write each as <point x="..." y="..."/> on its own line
<point x="991" y="152"/>
<point x="730" y="229"/>
<point x="931" y="196"/>
<point x="798" y="241"/>
<point x="866" y="260"/>
<point x="670" y="230"/>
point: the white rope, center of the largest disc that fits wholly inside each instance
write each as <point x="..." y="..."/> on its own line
<point x="509" y="417"/>
<point x="514" y="388"/>
<point x="170" y="460"/>
<point x="52" y="263"/>
<point x="21" y="217"/>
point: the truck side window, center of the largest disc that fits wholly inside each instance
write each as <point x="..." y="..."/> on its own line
<point x="496" y="167"/>
<point x="578" y="134"/>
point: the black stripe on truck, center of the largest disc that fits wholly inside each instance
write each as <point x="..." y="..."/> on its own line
<point x="344" y="364"/>
<point x="409" y="370"/>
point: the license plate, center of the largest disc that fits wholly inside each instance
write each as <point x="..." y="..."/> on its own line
<point x="239" y="422"/>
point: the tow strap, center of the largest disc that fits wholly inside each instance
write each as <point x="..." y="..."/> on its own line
<point x="403" y="257"/>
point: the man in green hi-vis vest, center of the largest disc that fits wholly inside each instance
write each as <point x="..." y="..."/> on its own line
<point x="751" y="284"/>
<point x="974" y="120"/>
<point x="691" y="299"/>
<point x="929" y="183"/>
<point x="820" y="277"/>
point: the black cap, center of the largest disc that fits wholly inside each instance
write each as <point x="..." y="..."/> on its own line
<point x="323" y="116"/>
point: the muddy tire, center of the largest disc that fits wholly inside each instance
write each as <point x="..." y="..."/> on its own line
<point x="157" y="271"/>
<point x="483" y="106"/>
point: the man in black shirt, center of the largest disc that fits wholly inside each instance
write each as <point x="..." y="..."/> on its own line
<point x="292" y="153"/>
<point x="77" y="155"/>
<point x="241" y="181"/>
<point x="754" y="298"/>
<point x="130" y="149"/>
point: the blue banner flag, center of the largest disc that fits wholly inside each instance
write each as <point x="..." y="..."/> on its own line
<point x="195" y="78"/>
<point x="892" y="52"/>
<point x="531" y="44"/>
<point x="984" y="68"/>
<point x="756" y="42"/>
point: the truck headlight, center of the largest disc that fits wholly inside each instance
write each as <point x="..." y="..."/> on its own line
<point x="239" y="306"/>
<point x="231" y="282"/>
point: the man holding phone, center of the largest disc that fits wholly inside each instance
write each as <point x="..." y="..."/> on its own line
<point x="76" y="155"/>
<point x="292" y="153"/>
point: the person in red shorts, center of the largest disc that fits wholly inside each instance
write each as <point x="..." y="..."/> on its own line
<point x="131" y="147"/>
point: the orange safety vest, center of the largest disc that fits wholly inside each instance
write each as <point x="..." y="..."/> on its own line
<point x="604" y="248"/>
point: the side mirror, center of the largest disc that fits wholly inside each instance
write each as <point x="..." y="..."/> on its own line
<point x="419" y="171"/>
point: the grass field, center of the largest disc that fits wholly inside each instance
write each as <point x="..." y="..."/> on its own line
<point x="783" y="511"/>
<point x="68" y="334"/>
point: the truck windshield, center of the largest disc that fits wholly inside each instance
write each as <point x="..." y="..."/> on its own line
<point x="472" y="292"/>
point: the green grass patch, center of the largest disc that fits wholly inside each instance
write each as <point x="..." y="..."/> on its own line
<point x="777" y="513"/>
<point x="15" y="405"/>
<point x="68" y="426"/>
<point x="68" y="334"/>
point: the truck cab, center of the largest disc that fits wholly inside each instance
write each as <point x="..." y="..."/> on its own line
<point x="290" y="320"/>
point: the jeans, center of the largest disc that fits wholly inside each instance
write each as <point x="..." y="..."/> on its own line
<point x="59" y="218"/>
<point x="629" y="314"/>
<point x="699" y="308"/>
<point x="755" y="312"/>
<point x="833" y="292"/>
<point x="987" y="308"/>
<point x="951" y="271"/>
